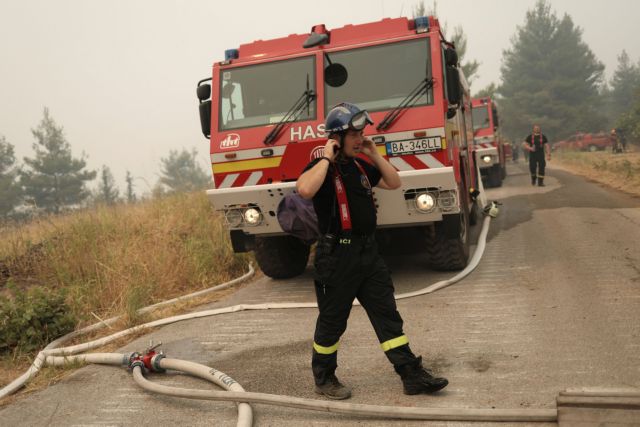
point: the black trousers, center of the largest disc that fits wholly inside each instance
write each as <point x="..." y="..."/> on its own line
<point x="537" y="164"/>
<point x="354" y="269"/>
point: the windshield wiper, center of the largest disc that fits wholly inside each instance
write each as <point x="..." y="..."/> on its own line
<point x="408" y="101"/>
<point x="292" y="115"/>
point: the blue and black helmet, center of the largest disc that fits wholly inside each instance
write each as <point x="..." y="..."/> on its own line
<point x="345" y="116"/>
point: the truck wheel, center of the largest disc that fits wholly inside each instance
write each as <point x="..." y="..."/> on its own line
<point x="495" y="176"/>
<point x="281" y="257"/>
<point x="592" y="148"/>
<point x="448" y="242"/>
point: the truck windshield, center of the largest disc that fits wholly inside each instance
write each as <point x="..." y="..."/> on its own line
<point x="380" y="77"/>
<point x="259" y="95"/>
<point x="481" y="117"/>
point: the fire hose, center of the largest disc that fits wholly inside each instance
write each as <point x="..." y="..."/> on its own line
<point x="139" y="363"/>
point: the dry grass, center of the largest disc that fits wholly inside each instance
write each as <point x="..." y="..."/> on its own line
<point x="619" y="171"/>
<point x="114" y="260"/>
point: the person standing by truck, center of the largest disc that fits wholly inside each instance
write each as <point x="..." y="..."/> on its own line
<point x="347" y="261"/>
<point x="537" y="145"/>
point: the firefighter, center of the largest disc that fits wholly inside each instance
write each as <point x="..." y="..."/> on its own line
<point x="537" y="146"/>
<point x="616" y="142"/>
<point x="347" y="263"/>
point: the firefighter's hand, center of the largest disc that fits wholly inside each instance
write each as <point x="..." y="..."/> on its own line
<point x="369" y="148"/>
<point x="331" y="149"/>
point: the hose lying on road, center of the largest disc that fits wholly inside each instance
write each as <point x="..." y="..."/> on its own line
<point x="58" y="356"/>
<point x="397" y="412"/>
<point x="52" y="348"/>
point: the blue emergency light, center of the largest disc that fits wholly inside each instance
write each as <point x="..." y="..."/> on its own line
<point x="230" y="54"/>
<point x="422" y="24"/>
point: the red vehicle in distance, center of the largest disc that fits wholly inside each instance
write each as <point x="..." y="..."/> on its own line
<point x="585" y="142"/>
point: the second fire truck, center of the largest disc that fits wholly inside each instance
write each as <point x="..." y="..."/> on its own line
<point x="488" y="147"/>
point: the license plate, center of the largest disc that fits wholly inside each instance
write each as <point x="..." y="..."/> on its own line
<point x="414" y="146"/>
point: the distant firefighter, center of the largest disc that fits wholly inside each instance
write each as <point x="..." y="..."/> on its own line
<point x="537" y="146"/>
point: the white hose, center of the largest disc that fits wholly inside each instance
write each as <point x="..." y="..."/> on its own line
<point x="355" y="409"/>
<point x="51" y="348"/>
<point x="99" y="358"/>
<point x="245" y="413"/>
<point x="237" y="394"/>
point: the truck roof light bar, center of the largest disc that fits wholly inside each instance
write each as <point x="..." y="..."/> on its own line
<point x="229" y="55"/>
<point x="422" y="24"/>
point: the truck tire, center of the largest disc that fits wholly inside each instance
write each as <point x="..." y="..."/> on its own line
<point x="495" y="176"/>
<point x="448" y="242"/>
<point x="281" y="257"/>
<point x="592" y="148"/>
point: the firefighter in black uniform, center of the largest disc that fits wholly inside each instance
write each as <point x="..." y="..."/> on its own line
<point x="537" y="146"/>
<point x="347" y="262"/>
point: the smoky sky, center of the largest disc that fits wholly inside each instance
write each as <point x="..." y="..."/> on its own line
<point x="120" y="76"/>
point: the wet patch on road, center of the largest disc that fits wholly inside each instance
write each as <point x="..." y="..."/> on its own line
<point x="480" y="363"/>
<point x="573" y="192"/>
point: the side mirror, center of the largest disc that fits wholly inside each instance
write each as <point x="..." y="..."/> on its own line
<point x="450" y="57"/>
<point x="496" y="123"/>
<point x="205" y="118"/>
<point x="203" y="92"/>
<point x="315" y="39"/>
<point x="335" y="75"/>
<point x="454" y="94"/>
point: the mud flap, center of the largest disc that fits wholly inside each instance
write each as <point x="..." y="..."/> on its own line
<point x="242" y="242"/>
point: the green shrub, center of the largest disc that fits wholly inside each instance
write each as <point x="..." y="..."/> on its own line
<point x="32" y="319"/>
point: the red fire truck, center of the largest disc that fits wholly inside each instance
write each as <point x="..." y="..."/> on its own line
<point x="489" y="152"/>
<point x="264" y="118"/>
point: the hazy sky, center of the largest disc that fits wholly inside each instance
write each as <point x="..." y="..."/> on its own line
<point x="120" y="75"/>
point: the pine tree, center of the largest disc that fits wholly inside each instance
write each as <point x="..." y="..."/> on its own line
<point x="131" y="196"/>
<point x="54" y="180"/>
<point x="107" y="192"/>
<point x="624" y="84"/>
<point x="10" y="190"/>
<point x="180" y="172"/>
<point x="491" y="91"/>
<point x="550" y="77"/>
<point x="629" y="123"/>
<point x="458" y="38"/>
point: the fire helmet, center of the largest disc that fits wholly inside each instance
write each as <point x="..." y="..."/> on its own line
<point x="345" y="116"/>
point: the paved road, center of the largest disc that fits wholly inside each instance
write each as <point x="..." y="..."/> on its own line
<point x="554" y="304"/>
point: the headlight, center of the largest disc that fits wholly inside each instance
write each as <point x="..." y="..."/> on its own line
<point x="486" y="159"/>
<point x="252" y="216"/>
<point x="425" y="202"/>
<point x="447" y="200"/>
<point x="233" y="217"/>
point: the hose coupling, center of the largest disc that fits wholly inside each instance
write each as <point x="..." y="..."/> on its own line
<point x="155" y="362"/>
<point x="136" y="360"/>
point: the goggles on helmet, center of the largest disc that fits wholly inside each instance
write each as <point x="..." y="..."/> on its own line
<point x="360" y="120"/>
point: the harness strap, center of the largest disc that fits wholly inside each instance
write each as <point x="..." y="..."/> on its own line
<point x="341" y="195"/>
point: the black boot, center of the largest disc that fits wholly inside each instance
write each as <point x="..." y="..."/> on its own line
<point x="416" y="379"/>
<point x="540" y="182"/>
<point x="533" y="181"/>
<point x="333" y="389"/>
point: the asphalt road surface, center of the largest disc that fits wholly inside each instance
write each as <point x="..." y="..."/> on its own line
<point x="554" y="304"/>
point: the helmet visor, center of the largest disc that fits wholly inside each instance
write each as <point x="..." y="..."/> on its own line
<point x="360" y="120"/>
